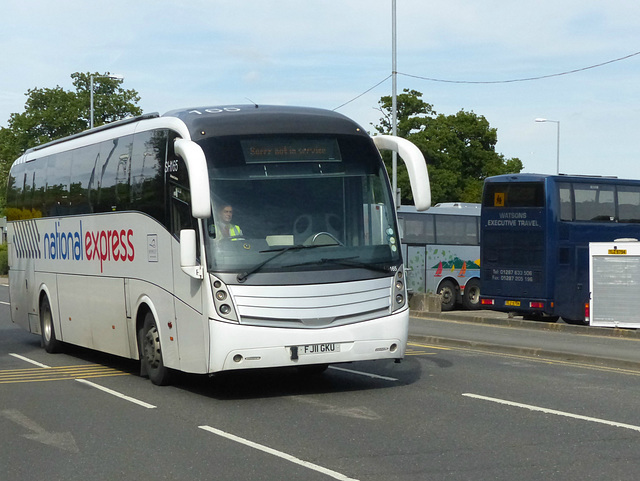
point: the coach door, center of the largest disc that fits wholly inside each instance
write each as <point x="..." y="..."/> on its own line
<point x="191" y="325"/>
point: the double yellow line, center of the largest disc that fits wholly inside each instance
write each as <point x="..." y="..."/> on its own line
<point x="58" y="373"/>
<point x="415" y="349"/>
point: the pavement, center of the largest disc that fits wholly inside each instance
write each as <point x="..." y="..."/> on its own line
<point x="498" y="332"/>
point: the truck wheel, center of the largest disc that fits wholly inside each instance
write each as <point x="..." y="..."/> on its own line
<point x="49" y="341"/>
<point x="576" y="322"/>
<point x="151" y="353"/>
<point x="449" y="293"/>
<point x="471" y="297"/>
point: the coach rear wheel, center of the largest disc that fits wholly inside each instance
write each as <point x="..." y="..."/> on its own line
<point x="151" y="353"/>
<point x="471" y="298"/>
<point x="449" y="293"/>
<point x="49" y="341"/>
<point x="541" y="317"/>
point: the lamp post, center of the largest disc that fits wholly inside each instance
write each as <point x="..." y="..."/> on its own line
<point x="557" y="122"/>
<point x="394" y="105"/>
<point x="113" y="77"/>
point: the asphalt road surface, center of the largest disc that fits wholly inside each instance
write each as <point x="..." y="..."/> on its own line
<point x="445" y="413"/>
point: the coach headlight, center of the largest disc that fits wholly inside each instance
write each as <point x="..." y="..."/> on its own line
<point x="221" y="295"/>
<point x="399" y="292"/>
<point x="222" y="300"/>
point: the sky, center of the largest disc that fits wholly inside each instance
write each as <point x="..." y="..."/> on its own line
<point x="461" y="54"/>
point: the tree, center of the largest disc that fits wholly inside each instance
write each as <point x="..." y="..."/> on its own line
<point x="52" y="113"/>
<point x="459" y="149"/>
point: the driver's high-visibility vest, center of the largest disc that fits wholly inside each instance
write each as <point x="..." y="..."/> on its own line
<point x="234" y="231"/>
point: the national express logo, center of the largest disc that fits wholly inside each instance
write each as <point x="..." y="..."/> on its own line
<point x="74" y="245"/>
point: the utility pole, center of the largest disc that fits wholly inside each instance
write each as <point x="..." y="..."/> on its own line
<point x="394" y="103"/>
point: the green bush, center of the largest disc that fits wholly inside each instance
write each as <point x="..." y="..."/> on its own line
<point x="4" y="260"/>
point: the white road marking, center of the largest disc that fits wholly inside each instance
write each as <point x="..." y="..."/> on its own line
<point x="5" y="303"/>
<point x="117" y="394"/>
<point x="36" y="363"/>
<point x="553" y="411"/>
<point x="360" y="373"/>
<point x="64" y="441"/>
<point x="92" y="384"/>
<point x="277" y="453"/>
<point x="361" y="412"/>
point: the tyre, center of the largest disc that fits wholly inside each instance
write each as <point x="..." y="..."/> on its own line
<point x="471" y="297"/>
<point x="49" y="341"/>
<point x="151" y="353"/>
<point x="576" y="322"/>
<point x="449" y="292"/>
<point x="540" y="317"/>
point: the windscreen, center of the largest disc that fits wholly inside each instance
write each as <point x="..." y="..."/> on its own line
<point x="299" y="203"/>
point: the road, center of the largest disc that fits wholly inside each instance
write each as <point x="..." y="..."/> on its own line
<point x="445" y="413"/>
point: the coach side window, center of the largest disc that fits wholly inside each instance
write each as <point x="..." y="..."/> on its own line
<point x="177" y="181"/>
<point x="594" y="202"/>
<point x="103" y="190"/>
<point x="83" y="164"/>
<point x="628" y="203"/>
<point x="456" y="230"/>
<point x="418" y="228"/>
<point x="566" y="206"/>
<point x="57" y="189"/>
<point x="147" y="173"/>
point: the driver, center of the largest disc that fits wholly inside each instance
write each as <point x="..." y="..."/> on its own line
<point x="224" y="228"/>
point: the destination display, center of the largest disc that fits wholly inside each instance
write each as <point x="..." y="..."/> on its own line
<point x="272" y="150"/>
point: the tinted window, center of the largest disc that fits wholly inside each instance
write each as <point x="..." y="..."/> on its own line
<point x="147" y="173"/>
<point x="513" y="194"/>
<point x="39" y="187"/>
<point x="456" y="229"/>
<point x="628" y="203"/>
<point x="179" y="199"/>
<point x="566" y="204"/>
<point x="83" y="163"/>
<point x="417" y="228"/>
<point x="594" y="202"/>
<point x="57" y="189"/>
<point x="110" y="162"/>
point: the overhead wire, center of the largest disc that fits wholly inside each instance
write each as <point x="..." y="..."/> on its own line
<point x="365" y="92"/>
<point x="485" y="82"/>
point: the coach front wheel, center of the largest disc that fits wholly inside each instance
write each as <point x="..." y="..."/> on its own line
<point x="151" y="353"/>
<point x="49" y="341"/>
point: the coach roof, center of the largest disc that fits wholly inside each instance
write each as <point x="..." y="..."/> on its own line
<point x="205" y="122"/>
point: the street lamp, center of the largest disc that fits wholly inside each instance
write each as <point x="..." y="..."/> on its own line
<point x="557" y="142"/>
<point x="111" y="76"/>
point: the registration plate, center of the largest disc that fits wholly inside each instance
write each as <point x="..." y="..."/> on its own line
<point x="326" y="348"/>
<point x="512" y="303"/>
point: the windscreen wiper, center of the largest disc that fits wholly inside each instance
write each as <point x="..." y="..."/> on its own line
<point x="280" y="250"/>
<point x="345" y="261"/>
